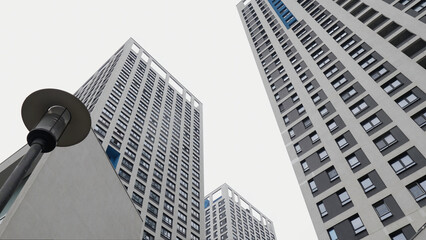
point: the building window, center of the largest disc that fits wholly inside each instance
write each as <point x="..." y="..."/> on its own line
<point x="420" y="118"/>
<point x="407" y="100"/>
<point x="286" y="119"/>
<point x="295" y="98"/>
<point x="307" y="122"/>
<point x="357" y="52"/>
<point x="314" y="137"/>
<point x="322" y="210"/>
<point x="359" y="107"/>
<point x="398" y="236"/>
<point x="367" y="62"/>
<point x="309" y="87"/>
<point x="323" y="111"/>
<point x="382" y="210"/>
<point x="332" y="125"/>
<point x="348" y="94"/>
<point x="332" y="174"/>
<point x="353" y="161"/>
<point x="313" y="186"/>
<point x="371" y="123"/>
<point x="402" y="163"/>
<point x="378" y="73"/>
<point x="316" y="98"/>
<point x="317" y="53"/>
<point x="419" y="7"/>
<point x="304" y="165"/>
<point x="332" y="234"/>
<point x="322" y="154"/>
<point x="367" y="184"/>
<point x="391" y="86"/>
<point x="342" y="142"/>
<point x="291" y="133"/>
<point x="323" y="62"/>
<point x="344" y="197"/>
<point x="339" y="82"/>
<point x="357" y="224"/>
<point x="348" y="43"/>
<point x="297" y="148"/>
<point x="385" y="141"/>
<point x="165" y="233"/>
<point x="418" y="189"/>
<point x="329" y="72"/>
<point x="300" y="109"/>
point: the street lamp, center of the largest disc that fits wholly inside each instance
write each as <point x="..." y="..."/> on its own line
<point x="54" y="118"/>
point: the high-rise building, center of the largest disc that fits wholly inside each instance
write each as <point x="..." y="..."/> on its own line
<point x="230" y="216"/>
<point x="151" y="129"/>
<point x="346" y="81"/>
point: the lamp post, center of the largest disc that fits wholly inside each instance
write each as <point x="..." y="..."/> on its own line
<point x="54" y="118"/>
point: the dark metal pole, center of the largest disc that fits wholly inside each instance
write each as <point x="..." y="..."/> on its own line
<point x="19" y="172"/>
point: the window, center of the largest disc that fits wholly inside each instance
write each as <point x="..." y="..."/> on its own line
<point x="353" y="161"/>
<point x="366" y="184"/>
<point x="418" y="189"/>
<point x="344" y="197"/>
<point x="297" y="148"/>
<point x="367" y="62"/>
<point x="317" y="53"/>
<point x="357" y="52"/>
<point x="332" y="174"/>
<point x="316" y="98"/>
<point x="304" y="165"/>
<point x="339" y="82"/>
<point x="295" y="98"/>
<point x="291" y="133"/>
<point x="165" y="233"/>
<point x="357" y="224"/>
<point x="313" y="186"/>
<point x="399" y="236"/>
<point x="385" y="141"/>
<point x="332" y="234"/>
<point x="348" y="94"/>
<point x="307" y="122"/>
<point x="382" y="210"/>
<point x="314" y="137"/>
<point x="348" y="43"/>
<point x="323" y="111"/>
<point x="407" y="100"/>
<point x="419" y="7"/>
<point x="391" y="86"/>
<point x="342" y="142"/>
<point x="322" y="153"/>
<point x="309" y="87"/>
<point x="329" y="72"/>
<point x="321" y="208"/>
<point x="286" y="119"/>
<point x="323" y="62"/>
<point x="379" y="72"/>
<point x="371" y="123"/>
<point x="402" y="163"/>
<point x="300" y="109"/>
<point x="359" y="107"/>
<point x="332" y="125"/>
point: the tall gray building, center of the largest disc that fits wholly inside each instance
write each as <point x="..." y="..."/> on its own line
<point x="151" y="129"/>
<point x="346" y="81"/>
<point x="230" y="216"/>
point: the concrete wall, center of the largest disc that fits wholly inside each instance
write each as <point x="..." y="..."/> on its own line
<point x="73" y="193"/>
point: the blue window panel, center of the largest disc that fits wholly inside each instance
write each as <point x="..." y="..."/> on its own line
<point x="290" y="19"/>
<point x="113" y="156"/>
<point x="206" y="203"/>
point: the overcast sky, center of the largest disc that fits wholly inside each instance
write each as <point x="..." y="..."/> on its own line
<point x="58" y="44"/>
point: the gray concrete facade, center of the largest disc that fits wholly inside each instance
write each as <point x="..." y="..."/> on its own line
<point x="151" y="128"/>
<point x="72" y="193"/>
<point x="230" y="216"/>
<point x="346" y="83"/>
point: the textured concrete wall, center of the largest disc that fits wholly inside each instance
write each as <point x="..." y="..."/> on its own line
<point x="73" y="193"/>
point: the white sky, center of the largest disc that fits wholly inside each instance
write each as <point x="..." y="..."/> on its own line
<point x="58" y="44"/>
